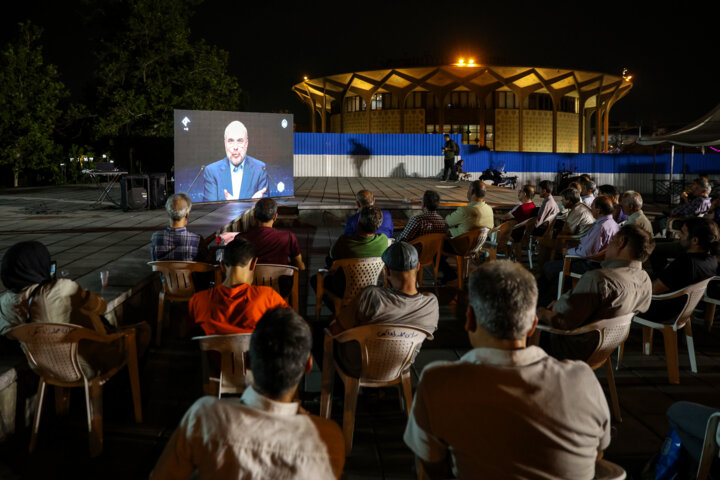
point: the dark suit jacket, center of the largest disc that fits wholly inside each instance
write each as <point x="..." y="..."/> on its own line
<point x="217" y="178"/>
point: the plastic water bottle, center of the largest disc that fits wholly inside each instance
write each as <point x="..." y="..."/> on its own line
<point x="666" y="466"/>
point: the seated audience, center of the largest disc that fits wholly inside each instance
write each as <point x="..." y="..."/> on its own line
<point x="427" y="222"/>
<point x="176" y="242"/>
<point x="632" y="203"/>
<point x="596" y="240"/>
<point x="475" y="214"/>
<point x="619" y="287"/>
<point x="699" y="205"/>
<point x="587" y="192"/>
<point x="274" y="246"/>
<point x="237" y="304"/>
<point x="695" y="260"/>
<point x="34" y="295"/>
<point x="468" y="414"/>
<point x="264" y="433"/>
<point x="365" y="198"/>
<point x="612" y="192"/>
<point x="365" y="244"/>
<point x="579" y="219"/>
<point x="399" y="304"/>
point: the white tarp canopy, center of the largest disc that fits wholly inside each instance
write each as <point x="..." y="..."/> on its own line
<point x="703" y="132"/>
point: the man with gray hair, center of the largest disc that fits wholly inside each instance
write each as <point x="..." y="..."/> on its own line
<point x="176" y="242"/>
<point x="632" y="203"/>
<point x="468" y="414"/>
<point x="365" y="198"/>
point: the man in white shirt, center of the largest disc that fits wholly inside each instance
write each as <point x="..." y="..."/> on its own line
<point x="468" y="415"/>
<point x="264" y="433"/>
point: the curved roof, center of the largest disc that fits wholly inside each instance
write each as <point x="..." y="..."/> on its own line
<point x="481" y="79"/>
<point x="702" y="132"/>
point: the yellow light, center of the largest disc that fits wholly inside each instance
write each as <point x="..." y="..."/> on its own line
<point x="461" y="62"/>
<point x="628" y="78"/>
<point x="305" y="78"/>
<point x="471" y="62"/>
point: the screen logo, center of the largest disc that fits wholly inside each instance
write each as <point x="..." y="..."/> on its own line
<point x="284" y="123"/>
<point x="185" y="122"/>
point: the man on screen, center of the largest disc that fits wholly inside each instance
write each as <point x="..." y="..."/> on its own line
<point x="237" y="175"/>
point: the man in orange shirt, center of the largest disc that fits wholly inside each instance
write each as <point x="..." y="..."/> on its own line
<point x="236" y="305"/>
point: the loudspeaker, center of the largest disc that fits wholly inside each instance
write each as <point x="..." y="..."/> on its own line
<point x="134" y="192"/>
<point x="158" y="190"/>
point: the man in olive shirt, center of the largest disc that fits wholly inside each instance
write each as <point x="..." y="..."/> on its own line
<point x="619" y="287"/>
<point x="632" y="203"/>
<point x="475" y="214"/>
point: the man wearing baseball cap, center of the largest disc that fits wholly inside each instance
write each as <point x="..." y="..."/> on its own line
<point x="398" y="304"/>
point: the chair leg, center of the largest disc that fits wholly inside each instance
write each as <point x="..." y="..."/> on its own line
<point x="613" y="390"/>
<point x="647" y="334"/>
<point x="161" y="308"/>
<point x="352" y="387"/>
<point x="407" y="391"/>
<point x="671" y="353"/>
<point x="709" y="315"/>
<point x="93" y="398"/>
<point x="62" y="401"/>
<point x="690" y="346"/>
<point x="460" y="270"/>
<point x="38" y="414"/>
<point x="328" y="378"/>
<point x="621" y="351"/>
<point x="134" y="373"/>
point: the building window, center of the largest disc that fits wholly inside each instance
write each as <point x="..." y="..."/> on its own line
<point x="569" y="105"/>
<point x="506" y="100"/>
<point x="354" y="104"/>
<point x="458" y="100"/>
<point x="415" y="100"/>
<point x="539" y="101"/>
<point x="489" y="137"/>
<point x="377" y="102"/>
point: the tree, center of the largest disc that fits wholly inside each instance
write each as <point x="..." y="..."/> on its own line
<point x="152" y="67"/>
<point x="30" y="100"/>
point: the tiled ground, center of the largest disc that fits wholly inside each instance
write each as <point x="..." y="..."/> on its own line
<point x="171" y="374"/>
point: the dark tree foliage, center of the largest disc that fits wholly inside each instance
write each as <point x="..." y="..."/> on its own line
<point x="30" y="105"/>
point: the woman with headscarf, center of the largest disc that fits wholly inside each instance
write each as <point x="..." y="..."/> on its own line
<point x="34" y="296"/>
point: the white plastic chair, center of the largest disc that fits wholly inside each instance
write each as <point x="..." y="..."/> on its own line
<point x="611" y="332"/>
<point x="387" y="353"/>
<point x="711" y="446"/>
<point x="710" y="307"/>
<point x="605" y="470"/>
<point x="178" y="284"/>
<point x="567" y="273"/>
<point x="234" y="375"/>
<point x="268" y="274"/>
<point x="359" y="273"/>
<point x="52" y="352"/>
<point x="465" y="248"/>
<point x="694" y="294"/>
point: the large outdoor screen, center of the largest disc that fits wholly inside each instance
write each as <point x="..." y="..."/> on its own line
<point x="233" y="155"/>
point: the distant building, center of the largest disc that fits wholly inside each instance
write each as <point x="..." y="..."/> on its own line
<point x="500" y="108"/>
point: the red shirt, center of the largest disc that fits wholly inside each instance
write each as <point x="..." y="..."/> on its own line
<point x="523" y="211"/>
<point x="222" y="310"/>
<point x="273" y="246"/>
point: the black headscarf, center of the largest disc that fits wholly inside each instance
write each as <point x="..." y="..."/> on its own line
<point x="24" y="264"/>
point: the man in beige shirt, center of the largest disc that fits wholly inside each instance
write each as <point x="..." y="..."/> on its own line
<point x="264" y="433"/>
<point x="632" y="203"/>
<point x="475" y="214"/>
<point x="619" y="287"/>
<point x="468" y="415"/>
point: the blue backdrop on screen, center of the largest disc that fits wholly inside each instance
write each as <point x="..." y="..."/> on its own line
<point x="202" y="168"/>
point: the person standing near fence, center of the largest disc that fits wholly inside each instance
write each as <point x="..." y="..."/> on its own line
<point x="450" y="150"/>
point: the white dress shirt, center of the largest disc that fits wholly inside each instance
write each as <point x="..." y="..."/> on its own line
<point x="236" y="173"/>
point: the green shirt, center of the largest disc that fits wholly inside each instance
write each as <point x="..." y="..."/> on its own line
<point x="359" y="246"/>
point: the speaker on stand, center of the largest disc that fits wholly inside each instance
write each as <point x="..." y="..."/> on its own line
<point x="134" y="191"/>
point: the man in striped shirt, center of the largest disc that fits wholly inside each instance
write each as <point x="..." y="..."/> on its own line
<point x="176" y="242"/>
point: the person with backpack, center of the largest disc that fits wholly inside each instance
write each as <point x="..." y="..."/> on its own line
<point x="450" y="150"/>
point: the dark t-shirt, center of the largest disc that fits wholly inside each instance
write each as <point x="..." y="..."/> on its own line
<point x="273" y="246"/>
<point x="686" y="270"/>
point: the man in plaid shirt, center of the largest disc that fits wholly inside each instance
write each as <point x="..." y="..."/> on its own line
<point x="176" y="242"/>
<point x="427" y="222"/>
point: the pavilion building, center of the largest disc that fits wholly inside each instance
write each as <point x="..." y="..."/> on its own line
<point x="523" y="109"/>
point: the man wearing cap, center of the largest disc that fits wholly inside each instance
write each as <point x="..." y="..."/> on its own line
<point x="400" y="304"/>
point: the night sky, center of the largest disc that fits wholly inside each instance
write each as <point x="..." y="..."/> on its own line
<point x="671" y="52"/>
